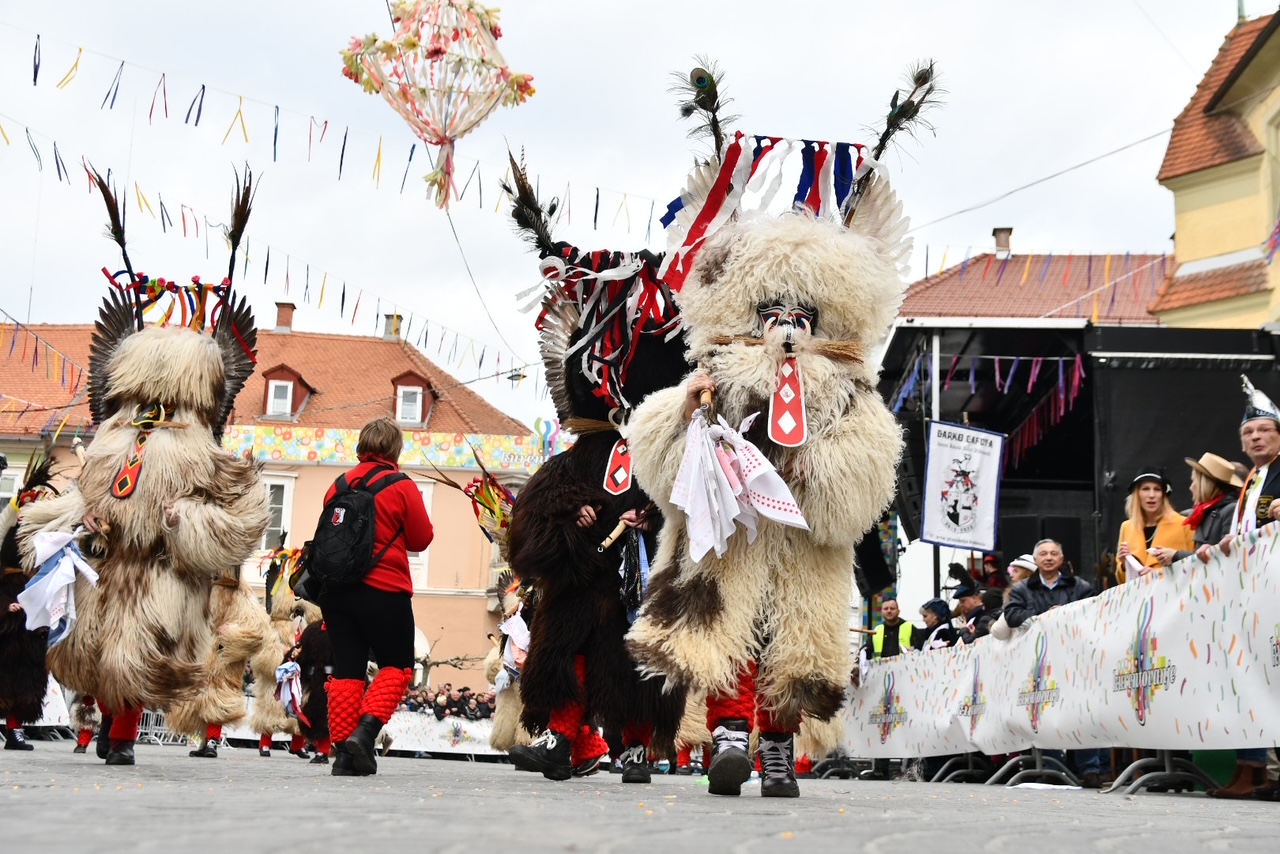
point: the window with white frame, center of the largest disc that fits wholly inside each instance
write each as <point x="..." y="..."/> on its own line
<point x="409" y="404"/>
<point x="11" y="482"/>
<point x="280" y="505"/>
<point x="418" y="560"/>
<point x="280" y="397"/>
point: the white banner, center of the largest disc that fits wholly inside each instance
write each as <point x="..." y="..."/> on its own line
<point x="409" y="731"/>
<point x="54" y="711"/>
<point x="1185" y="659"/>
<point x="962" y="486"/>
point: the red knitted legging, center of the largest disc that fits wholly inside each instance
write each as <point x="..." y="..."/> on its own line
<point x="588" y="745"/>
<point x="213" y="732"/>
<point x="566" y="721"/>
<point x="345" y="696"/>
<point x="742" y="705"/>
<point x="385" y="693"/>
<point x="124" y="723"/>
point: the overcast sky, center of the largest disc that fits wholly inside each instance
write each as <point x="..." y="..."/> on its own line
<point x="1033" y="87"/>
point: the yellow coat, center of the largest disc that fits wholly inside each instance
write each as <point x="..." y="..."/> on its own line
<point x="1171" y="533"/>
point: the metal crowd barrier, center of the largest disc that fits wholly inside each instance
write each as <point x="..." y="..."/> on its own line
<point x="152" y="730"/>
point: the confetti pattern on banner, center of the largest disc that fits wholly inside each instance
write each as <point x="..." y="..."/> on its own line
<point x="1186" y="659"/>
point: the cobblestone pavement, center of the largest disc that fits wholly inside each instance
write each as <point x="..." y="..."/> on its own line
<point x="54" y="801"/>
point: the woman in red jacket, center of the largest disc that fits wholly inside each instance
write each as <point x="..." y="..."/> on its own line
<point x="377" y="614"/>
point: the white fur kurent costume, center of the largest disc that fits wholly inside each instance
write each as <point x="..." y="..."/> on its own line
<point x="177" y="511"/>
<point x="763" y="629"/>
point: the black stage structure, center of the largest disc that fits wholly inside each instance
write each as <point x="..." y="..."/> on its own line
<point x="1127" y="398"/>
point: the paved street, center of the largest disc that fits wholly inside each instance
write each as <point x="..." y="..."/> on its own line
<point x="54" y="801"/>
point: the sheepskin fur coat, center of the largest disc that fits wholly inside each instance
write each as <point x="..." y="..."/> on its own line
<point x="144" y="635"/>
<point x="783" y="600"/>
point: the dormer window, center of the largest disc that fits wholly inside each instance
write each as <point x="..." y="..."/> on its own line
<point x="280" y="398"/>
<point x="409" y="404"/>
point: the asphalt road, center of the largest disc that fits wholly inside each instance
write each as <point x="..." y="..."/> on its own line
<point x="52" y="800"/>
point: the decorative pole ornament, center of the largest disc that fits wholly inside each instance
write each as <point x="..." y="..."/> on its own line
<point x="441" y="71"/>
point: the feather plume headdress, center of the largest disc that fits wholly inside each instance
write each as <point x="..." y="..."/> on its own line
<point x="201" y="307"/>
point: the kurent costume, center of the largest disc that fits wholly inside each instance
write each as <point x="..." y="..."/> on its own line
<point x="287" y="611"/>
<point x="782" y="314"/>
<point x="314" y="657"/>
<point x="175" y="511"/>
<point x="24" y="676"/>
<point x="607" y="326"/>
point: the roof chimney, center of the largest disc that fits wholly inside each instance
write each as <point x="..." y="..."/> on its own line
<point x="1002" y="236"/>
<point x="284" y="316"/>
<point x="391" y="327"/>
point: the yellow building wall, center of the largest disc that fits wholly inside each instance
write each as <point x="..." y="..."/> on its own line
<point x="1219" y="210"/>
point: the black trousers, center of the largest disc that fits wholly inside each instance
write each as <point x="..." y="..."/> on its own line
<point x="365" y="622"/>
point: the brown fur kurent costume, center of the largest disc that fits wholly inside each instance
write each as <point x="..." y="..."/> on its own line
<point x="763" y="629"/>
<point x="175" y="510"/>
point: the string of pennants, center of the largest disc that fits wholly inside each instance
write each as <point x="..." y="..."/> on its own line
<point x="599" y="201"/>
<point x="1009" y="371"/>
<point x="316" y="286"/>
<point x="19" y="342"/>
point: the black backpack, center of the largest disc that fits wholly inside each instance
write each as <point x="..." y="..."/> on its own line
<point x="341" y="552"/>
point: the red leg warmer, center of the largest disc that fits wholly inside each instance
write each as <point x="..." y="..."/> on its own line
<point x="323" y="746"/>
<point x="264" y="741"/>
<point x="633" y="734"/>
<point x="125" y="723"/>
<point x="766" y="723"/>
<point x="567" y="720"/>
<point x="11" y="723"/>
<point x="344" y="706"/>
<point x="588" y="745"/>
<point x="684" y="757"/>
<point x="738" y="706"/>
<point x="84" y="737"/>
<point x="385" y="693"/>
<point x="297" y="743"/>
<point x="804" y="765"/>
<point x="213" y="732"/>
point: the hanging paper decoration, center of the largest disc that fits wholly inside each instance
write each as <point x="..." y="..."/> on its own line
<point x="441" y="71"/>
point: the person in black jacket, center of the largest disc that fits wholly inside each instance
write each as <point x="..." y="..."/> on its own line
<point x="1047" y="589"/>
<point x="938" y="631"/>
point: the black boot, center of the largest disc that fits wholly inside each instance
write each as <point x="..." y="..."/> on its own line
<point x="635" y="765"/>
<point x="730" y="764"/>
<point x="319" y="759"/>
<point x="551" y="753"/>
<point x="208" y="750"/>
<point x="359" y="747"/>
<point x="80" y="748"/>
<point x="342" y="766"/>
<point x="779" y="764"/>
<point x="103" y="746"/>
<point x="16" y="739"/>
<point x="121" y="753"/>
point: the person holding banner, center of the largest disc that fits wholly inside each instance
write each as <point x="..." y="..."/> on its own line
<point x="1215" y="488"/>
<point x="1154" y="531"/>
<point x="1255" y="508"/>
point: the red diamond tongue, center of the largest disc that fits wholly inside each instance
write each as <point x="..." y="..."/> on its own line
<point x="617" y="478"/>
<point x="787" y="425"/>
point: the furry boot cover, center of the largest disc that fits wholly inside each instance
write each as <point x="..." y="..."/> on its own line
<point x="345" y="696"/>
<point x="385" y="693"/>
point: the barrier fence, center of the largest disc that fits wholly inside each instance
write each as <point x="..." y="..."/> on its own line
<point x="1185" y="659"/>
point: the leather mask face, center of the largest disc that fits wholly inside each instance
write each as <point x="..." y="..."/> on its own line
<point x="792" y="321"/>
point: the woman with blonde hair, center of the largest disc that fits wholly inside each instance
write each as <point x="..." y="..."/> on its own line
<point x="1152" y="528"/>
<point x="1215" y="487"/>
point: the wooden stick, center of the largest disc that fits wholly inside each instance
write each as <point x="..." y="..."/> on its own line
<point x="617" y="531"/>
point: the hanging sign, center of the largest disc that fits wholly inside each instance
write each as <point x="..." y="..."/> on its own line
<point x="962" y="486"/>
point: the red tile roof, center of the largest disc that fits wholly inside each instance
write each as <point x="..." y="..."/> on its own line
<point x="352" y="377"/>
<point x="1224" y="283"/>
<point x="1205" y="134"/>
<point x="43" y="379"/>
<point x="1060" y="286"/>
